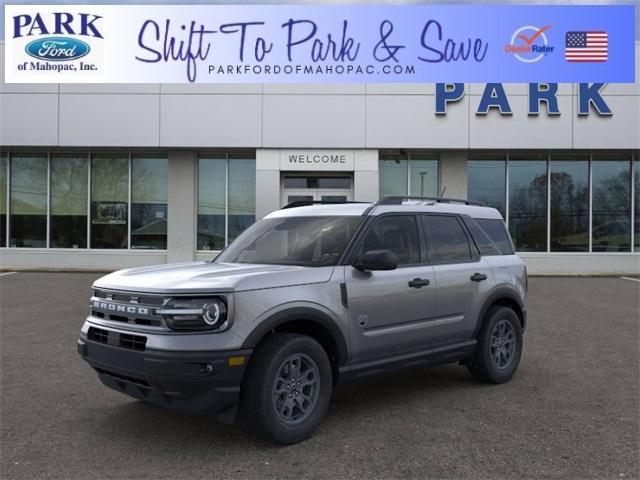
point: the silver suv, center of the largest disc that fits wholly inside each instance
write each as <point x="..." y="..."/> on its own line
<point x="309" y="296"/>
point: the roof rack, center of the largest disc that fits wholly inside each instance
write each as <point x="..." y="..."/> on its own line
<point x="306" y="203"/>
<point x="398" y="199"/>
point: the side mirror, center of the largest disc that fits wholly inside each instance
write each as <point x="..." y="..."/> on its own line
<point x="377" y="260"/>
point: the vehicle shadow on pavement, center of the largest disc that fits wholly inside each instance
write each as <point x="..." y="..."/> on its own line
<point x="351" y="403"/>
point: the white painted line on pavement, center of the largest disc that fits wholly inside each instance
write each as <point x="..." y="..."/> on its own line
<point x="632" y="279"/>
<point x="7" y="273"/>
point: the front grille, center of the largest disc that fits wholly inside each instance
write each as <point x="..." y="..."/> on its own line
<point x="131" y="308"/>
<point x="116" y="339"/>
<point x="133" y="342"/>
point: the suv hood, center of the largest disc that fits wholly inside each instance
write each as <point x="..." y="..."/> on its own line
<point x="205" y="277"/>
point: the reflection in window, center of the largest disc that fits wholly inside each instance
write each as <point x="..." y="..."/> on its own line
<point x="408" y="174"/>
<point x="69" y="201"/>
<point x="28" y="201"/>
<point x="393" y="174"/>
<point x="447" y="240"/>
<point x="398" y="234"/>
<point x="423" y="176"/>
<point x="109" y="197"/>
<point x="149" y="195"/>
<point x="486" y="180"/>
<point x="569" y="203"/>
<point x="611" y="181"/>
<point x="3" y="200"/>
<point x="212" y="174"/>
<point x="528" y="202"/>
<point x="242" y="196"/>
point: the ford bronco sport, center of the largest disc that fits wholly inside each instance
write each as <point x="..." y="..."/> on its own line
<point x="309" y="296"/>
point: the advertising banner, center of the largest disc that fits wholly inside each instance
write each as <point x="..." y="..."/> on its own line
<point x="327" y="44"/>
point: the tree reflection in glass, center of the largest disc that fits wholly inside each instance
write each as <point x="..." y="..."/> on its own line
<point x="611" y="231"/>
<point x="528" y="203"/>
<point x="569" y="220"/>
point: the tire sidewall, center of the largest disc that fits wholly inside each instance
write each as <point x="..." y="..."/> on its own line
<point x="495" y="374"/>
<point x="271" y="421"/>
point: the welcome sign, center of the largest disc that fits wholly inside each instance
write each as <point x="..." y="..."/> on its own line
<point x="327" y="44"/>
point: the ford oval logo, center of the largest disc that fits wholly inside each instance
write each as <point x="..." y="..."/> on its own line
<point x="57" y="49"/>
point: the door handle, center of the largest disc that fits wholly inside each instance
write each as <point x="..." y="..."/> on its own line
<point x="478" y="277"/>
<point x="419" y="282"/>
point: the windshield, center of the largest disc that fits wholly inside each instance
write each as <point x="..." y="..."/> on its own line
<point x="305" y="241"/>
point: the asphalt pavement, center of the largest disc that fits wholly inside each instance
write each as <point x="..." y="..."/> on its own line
<point x="571" y="411"/>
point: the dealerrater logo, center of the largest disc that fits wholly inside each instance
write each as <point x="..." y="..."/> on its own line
<point x="529" y="44"/>
<point x="55" y="38"/>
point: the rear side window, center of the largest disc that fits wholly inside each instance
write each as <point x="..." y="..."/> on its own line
<point x="497" y="232"/>
<point x="446" y="240"/>
<point x="484" y="243"/>
<point x="398" y="234"/>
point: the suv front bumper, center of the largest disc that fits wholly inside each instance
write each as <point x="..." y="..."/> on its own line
<point x="205" y="383"/>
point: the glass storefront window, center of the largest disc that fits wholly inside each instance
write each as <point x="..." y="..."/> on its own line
<point x="28" y="212"/>
<point x="393" y="174"/>
<point x="212" y="174"/>
<point x="149" y="196"/>
<point x="4" y="162"/>
<point x="528" y="202"/>
<point x="569" y="219"/>
<point x="69" y="182"/>
<point x="408" y="174"/>
<point x="242" y="196"/>
<point x="423" y="176"/>
<point x="225" y="211"/>
<point x="109" y="199"/>
<point x="611" y="184"/>
<point x="486" y="181"/>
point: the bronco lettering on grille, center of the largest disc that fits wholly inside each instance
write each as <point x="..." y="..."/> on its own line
<point x="116" y="307"/>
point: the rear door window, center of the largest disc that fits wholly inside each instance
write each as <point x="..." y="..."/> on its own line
<point x="446" y="240"/>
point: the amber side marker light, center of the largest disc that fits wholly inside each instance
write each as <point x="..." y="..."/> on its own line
<point x="236" y="361"/>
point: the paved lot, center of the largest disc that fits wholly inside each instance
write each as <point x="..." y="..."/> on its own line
<point x="572" y="411"/>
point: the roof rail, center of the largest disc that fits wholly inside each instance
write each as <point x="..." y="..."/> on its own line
<point x="306" y="203"/>
<point x="398" y="199"/>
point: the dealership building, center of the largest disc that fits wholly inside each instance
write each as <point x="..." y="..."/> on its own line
<point x="105" y="176"/>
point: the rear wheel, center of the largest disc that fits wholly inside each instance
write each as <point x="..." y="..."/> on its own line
<point x="499" y="347"/>
<point x="287" y="388"/>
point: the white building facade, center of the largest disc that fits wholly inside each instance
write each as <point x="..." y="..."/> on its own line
<point x="108" y="176"/>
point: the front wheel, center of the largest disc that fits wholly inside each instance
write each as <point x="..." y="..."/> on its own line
<point x="287" y="388"/>
<point x="499" y="347"/>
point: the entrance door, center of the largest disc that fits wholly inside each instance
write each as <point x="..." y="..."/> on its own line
<point x="316" y="188"/>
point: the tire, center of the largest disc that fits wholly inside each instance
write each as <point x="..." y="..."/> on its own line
<point x="499" y="363"/>
<point x="277" y="408"/>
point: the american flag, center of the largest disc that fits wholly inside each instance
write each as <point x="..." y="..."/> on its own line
<point x="586" y="47"/>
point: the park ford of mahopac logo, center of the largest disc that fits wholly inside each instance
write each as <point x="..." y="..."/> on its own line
<point x="56" y="40"/>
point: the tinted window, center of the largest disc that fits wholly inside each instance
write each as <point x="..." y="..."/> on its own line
<point x="497" y="232"/>
<point x="446" y="239"/>
<point x="482" y="240"/>
<point x="398" y="234"/>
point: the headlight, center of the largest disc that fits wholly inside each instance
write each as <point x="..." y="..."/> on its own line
<point x="195" y="314"/>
